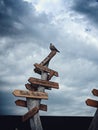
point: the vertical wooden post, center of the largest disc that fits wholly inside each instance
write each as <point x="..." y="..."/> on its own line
<point x="35" y="121"/>
<point x="37" y="91"/>
<point x="94" y="123"/>
<point x="93" y="103"/>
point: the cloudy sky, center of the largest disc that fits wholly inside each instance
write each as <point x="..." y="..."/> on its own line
<point x="26" y="29"/>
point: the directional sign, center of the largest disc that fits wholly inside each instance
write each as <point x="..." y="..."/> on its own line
<point x="33" y="87"/>
<point x="23" y="103"/>
<point x="95" y="92"/>
<point x="30" y="113"/>
<point x="46" y="60"/>
<point x="92" y="103"/>
<point x="43" y="83"/>
<point x="30" y="94"/>
<point x="46" y="69"/>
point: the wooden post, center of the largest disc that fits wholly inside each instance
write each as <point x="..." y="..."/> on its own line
<point x="35" y="121"/>
<point x="93" y="103"/>
<point x="36" y="91"/>
<point x="23" y="103"/>
<point x="94" y="123"/>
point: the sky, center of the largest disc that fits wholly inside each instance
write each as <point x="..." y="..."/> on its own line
<point x="27" y="27"/>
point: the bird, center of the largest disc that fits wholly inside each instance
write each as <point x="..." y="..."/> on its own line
<point x="53" y="48"/>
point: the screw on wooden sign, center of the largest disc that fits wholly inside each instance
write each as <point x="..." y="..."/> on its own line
<point x="43" y="83"/>
<point x="30" y="94"/>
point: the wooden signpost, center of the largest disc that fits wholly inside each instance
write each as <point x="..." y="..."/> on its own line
<point x="30" y="94"/>
<point x="36" y="91"/>
<point x="23" y="103"/>
<point x="93" y="103"/>
<point x="51" y="72"/>
<point x="44" y="83"/>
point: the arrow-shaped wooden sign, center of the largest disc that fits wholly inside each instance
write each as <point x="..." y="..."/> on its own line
<point x="30" y="94"/>
<point x="46" y="69"/>
<point x="33" y="87"/>
<point x="92" y="103"/>
<point x="95" y="92"/>
<point x="29" y="114"/>
<point x="44" y="83"/>
<point x="23" y="103"/>
<point x="46" y="60"/>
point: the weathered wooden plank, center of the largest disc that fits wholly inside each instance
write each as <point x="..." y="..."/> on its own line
<point x="30" y="94"/>
<point x="31" y="87"/>
<point x="46" y="69"/>
<point x="43" y="83"/>
<point x="23" y="103"/>
<point x="35" y="120"/>
<point x="92" y="103"/>
<point x="29" y="114"/>
<point x="46" y="60"/>
<point x="95" y="92"/>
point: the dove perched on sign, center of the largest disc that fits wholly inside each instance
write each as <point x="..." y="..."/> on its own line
<point x="53" y="48"/>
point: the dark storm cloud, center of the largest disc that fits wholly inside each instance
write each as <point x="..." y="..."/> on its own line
<point x="10" y="13"/>
<point x="6" y="103"/>
<point x="4" y="83"/>
<point x="32" y="31"/>
<point x="89" y="8"/>
<point x="18" y="18"/>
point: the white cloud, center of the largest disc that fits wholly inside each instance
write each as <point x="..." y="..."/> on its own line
<point x="48" y="6"/>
